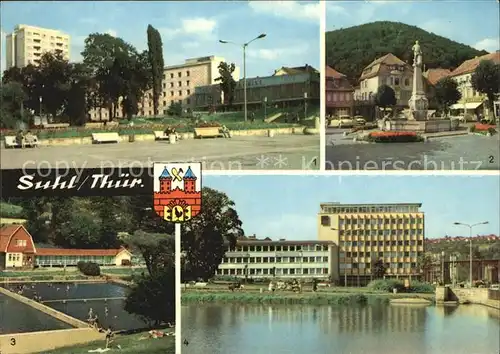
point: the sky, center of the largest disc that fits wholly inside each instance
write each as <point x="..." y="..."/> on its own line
<point x="286" y="206"/>
<point x="189" y="29"/>
<point x="471" y="22"/>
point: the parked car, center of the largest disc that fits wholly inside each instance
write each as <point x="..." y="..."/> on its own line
<point x="360" y="120"/>
<point x="342" y="122"/>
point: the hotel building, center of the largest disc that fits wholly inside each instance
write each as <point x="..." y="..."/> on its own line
<point x="26" y="45"/>
<point x="257" y="258"/>
<point x="178" y="86"/>
<point x="366" y="233"/>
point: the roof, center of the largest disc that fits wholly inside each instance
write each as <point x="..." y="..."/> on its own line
<point x="78" y="252"/>
<point x="165" y="174"/>
<point x="434" y="75"/>
<point x="375" y="66"/>
<point x="267" y="242"/>
<point x="470" y="65"/>
<point x="331" y="72"/>
<point x="189" y="174"/>
<point x="6" y="233"/>
<point x="298" y="70"/>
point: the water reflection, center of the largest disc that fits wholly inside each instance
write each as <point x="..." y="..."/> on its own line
<point x="333" y="329"/>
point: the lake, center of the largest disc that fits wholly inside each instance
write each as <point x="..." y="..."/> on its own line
<point x="55" y="293"/>
<point x="382" y="329"/>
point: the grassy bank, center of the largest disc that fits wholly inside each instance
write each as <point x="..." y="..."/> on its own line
<point x="70" y="274"/>
<point x="309" y="298"/>
<point x="131" y="343"/>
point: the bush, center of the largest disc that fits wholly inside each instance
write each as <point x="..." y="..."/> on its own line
<point x="386" y="285"/>
<point x="89" y="268"/>
<point x="422" y="288"/>
<point x="42" y="277"/>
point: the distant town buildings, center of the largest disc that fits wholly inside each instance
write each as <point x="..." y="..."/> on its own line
<point x="26" y="44"/>
<point x="287" y="87"/>
<point x="339" y="93"/>
<point x="462" y="238"/>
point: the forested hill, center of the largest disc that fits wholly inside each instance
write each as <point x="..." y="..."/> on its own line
<point x="350" y="50"/>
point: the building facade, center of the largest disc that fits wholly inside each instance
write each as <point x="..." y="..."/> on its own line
<point x="17" y="250"/>
<point x="26" y="44"/>
<point x="366" y="233"/>
<point x="255" y="258"/>
<point x="473" y="104"/>
<point x="178" y="86"/>
<point x="339" y="94"/>
<point x="287" y="87"/>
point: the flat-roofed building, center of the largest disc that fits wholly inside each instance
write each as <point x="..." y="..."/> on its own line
<point x="366" y="233"/>
<point x="265" y="258"/>
<point x="26" y="44"/>
<point x="287" y="87"/>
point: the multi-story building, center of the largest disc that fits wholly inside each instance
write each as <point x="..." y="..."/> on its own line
<point x="339" y="93"/>
<point x="265" y="258"/>
<point x="178" y="86"/>
<point x="26" y="45"/>
<point x="287" y="87"/>
<point x="473" y="103"/>
<point x="366" y="233"/>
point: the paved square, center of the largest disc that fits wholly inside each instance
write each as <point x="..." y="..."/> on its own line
<point x="466" y="152"/>
<point x="282" y="152"/>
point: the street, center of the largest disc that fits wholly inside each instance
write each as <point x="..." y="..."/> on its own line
<point x="467" y="152"/>
<point x="282" y="152"/>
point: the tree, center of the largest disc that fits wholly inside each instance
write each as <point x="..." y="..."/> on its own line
<point x="486" y="79"/>
<point x="155" y="50"/>
<point x="226" y="81"/>
<point x="153" y="298"/>
<point x="385" y="97"/>
<point x="12" y="113"/>
<point x="378" y="268"/>
<point x="424" y="263"/>
<point x="206" y="238"/>
<point x="446" y="93"/>
<point x="175" y="109"/>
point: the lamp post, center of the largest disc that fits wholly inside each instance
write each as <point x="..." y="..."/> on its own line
<point x="470" y="226"/>
<point x="305" y="105"/>
<point x="40" y="106"/>
<point x="442" y="267"/>
<point x="301" y="254"/>
<point x="244" y="46"/>
<point x="265" y="108"/>
<point x="453" y="259"/>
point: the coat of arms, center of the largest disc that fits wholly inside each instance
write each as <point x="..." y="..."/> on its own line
<point x="177" y="191"/>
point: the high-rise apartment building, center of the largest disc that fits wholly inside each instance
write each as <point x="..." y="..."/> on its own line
<point x="26" y="45"/>
<point x="366" y="233"/>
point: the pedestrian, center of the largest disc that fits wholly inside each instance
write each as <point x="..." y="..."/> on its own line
<point x="109" y="336"/>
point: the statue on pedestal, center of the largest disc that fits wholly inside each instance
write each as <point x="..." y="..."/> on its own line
<point x="417" y="54"/>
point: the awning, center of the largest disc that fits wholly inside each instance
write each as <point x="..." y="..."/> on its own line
<point x="473" y="105"/>
<point x="469" y="105"/>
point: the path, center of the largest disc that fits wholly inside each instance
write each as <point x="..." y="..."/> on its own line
<point x="282" y="152"/>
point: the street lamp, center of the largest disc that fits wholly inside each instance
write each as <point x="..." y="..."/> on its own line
<point x="453" y="259"/>
<point x="305" y="105"/>
<point x="470" y="226"/>
<point x="40" y="107"/>
<point x="442" y="267"/>
<point x="265" y="108"/>
<point x="244" y="46"/>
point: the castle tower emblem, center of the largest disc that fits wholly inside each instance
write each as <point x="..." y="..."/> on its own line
<point x="177" y="191"/>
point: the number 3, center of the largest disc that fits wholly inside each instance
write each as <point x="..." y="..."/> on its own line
<point x="13" y="341"/>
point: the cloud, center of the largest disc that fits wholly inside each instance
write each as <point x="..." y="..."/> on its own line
<point x="439" y="27"/>
<point x="301" y="225"/>
<point x="336" y="9"/>
<point x="198" y="27"/>
<point x="275" y="53"/>
<point x="489" y="44"/>
<point x="112" y="32"/>
<point x="190" y="45"/>
<point x="288" y="9"/>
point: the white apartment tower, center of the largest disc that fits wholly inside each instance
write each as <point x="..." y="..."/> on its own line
<point x="27" y="44"/>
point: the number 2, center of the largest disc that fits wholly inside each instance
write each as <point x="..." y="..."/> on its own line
<point x="491" y="158"/>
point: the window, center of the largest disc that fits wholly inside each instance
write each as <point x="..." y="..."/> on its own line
<point x="180" y="93"/>
<point x="179" y="74"/>
<point x="187" y="74"/>
<point x="325" y="220"/>
<point x="187" y="83"/>
<point x="171" y="93"/>
<point x="171" y="76"/>
<point x="179" y="83"/>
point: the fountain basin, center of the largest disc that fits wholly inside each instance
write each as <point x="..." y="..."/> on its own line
<point x="420" y="126"/>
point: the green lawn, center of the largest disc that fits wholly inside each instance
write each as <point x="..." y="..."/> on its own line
<point x="131" y="344"/>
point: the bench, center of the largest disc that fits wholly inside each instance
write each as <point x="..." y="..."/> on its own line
<point x="93" y="125"/>
<point x="207" y="132"/>
<point x="11" y="142"/>
<point x="160" y="135"/>
<point x="55" y="125"/>
<point x="98" y="138"/>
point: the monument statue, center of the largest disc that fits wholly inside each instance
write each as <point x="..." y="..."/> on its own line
<point x="417" y="54"/>
<point x="418" y="103"/>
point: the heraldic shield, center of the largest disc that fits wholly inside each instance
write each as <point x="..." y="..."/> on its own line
<point x="177" y="190"/>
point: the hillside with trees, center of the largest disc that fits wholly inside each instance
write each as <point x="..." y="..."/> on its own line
<point x="350" y="50"/>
